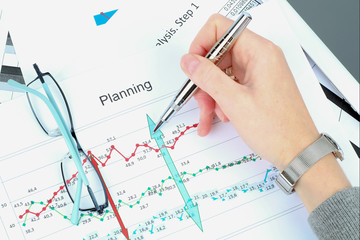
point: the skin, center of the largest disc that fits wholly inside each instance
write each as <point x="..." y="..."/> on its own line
<point x="277" y="124"/>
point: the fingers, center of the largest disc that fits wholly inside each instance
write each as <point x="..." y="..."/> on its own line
<point x="209" y="34"/>
<point x="214" y="29"/>
<point x="221" y="115"/>
<point x="211" y="79"/>
<point x="200" y="46"/>
<point x="221" y="89"/>
<point x="207" y="106"/>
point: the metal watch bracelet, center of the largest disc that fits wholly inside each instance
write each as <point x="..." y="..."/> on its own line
<point x="287" y="179"/>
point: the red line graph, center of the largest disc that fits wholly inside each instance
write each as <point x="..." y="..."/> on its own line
<point x="103" y="164"/>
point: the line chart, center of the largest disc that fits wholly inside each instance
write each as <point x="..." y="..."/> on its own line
<point x="233" y="187"/>
<point x="144" y="192"/>
<point x="144" y="198"/>
<point x="103" y="164"/>
<point x="204" y="170"/>
<point x="160" y="189"/>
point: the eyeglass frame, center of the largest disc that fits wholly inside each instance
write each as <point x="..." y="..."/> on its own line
<point x="98" y="208"/>
<point x="65" y="132"/>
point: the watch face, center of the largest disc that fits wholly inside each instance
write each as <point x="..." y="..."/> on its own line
<point x="338" y="153"/>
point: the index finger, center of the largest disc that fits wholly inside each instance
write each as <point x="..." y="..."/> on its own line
<point x="209" y="34"/>
<point x="245" y="47"/>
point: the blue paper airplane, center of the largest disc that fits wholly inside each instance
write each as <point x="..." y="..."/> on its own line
<point x="103" y="17"/>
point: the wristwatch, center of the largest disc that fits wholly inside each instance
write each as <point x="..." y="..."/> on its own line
<point x="287" y="179"/>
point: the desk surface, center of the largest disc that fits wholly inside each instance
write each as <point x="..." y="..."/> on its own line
<point x="327" y="19"/>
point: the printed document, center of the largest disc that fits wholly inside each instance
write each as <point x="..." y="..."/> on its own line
<point x="233" y="188"/>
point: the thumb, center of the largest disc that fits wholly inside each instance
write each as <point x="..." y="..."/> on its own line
<point x="210" y="79"/>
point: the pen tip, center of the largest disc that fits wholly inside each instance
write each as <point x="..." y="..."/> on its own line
<point x="158" y="126"/>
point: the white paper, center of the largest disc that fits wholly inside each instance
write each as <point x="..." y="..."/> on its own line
<point x="238" y="201"/>
<point x="63" y="37"/>
<point x="340" y="78"/>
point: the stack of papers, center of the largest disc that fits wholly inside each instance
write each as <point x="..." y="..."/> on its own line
<point x="232" y="187"/>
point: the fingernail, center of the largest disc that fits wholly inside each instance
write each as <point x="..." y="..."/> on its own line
<point x="189" y="63"/>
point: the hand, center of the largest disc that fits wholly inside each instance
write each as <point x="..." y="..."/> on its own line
<point x="263" y="103"/>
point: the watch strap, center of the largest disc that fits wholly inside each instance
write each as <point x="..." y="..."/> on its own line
<point x="287" y="179"/>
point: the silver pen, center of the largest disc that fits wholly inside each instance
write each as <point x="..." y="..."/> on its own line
<point x="216" y="54"/>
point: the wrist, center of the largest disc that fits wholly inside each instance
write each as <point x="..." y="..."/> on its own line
<point x="295" y="147"/>
<point x="321" y="181"/>
<point x="324" y="145"/>
<point x="315" y="173"/>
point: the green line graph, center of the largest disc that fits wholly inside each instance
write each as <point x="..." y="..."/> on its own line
<point x="183" y="174"/>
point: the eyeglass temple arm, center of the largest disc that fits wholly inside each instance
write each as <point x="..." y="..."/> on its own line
<point x="60" y="121"/>
<point x="52" y="100"/>
<point x="69" y="142"/>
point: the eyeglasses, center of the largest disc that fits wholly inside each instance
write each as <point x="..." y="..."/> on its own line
<point x="54" y="116"/>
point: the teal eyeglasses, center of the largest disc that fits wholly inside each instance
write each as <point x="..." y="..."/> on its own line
<point x="54" y="117"/>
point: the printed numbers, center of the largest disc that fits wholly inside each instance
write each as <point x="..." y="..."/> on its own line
<point x="29" y="230"/>
<point x="132" y="197"/>
<point x="142" y="207"/>
<point x="93" y="236"/>
<point x="196" y="6"/>
<point x="110" y="139"/>
<point x="184" y="163"/>
<point x="143" y="157"/>
<point x="120" y="193"/>
<point x="19" y="204"/>
<point x="181" y="125"/>
<point x="33" y="189"/>
<point x="129" y="164"/>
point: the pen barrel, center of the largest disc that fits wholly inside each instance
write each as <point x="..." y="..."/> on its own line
<point x="225" y="43"/>
<point x="184" y="95"/>
<point x="216" y="54"/>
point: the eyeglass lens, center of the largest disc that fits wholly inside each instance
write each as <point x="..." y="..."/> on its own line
<point x="70" y="177"/>
<point x="42" y="112"/>
<point x="93" y="198"/>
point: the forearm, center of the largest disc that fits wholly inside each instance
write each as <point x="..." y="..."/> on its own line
<point x="320" y="182"/>
<point x="338" y="216"/>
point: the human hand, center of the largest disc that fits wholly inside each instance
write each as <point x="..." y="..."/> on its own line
<point x="263" y="103"/>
